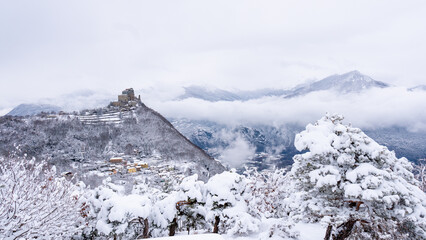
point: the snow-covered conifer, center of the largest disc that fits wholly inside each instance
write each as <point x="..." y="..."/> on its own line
<point x="227" y="205"/>
<point x="191" y="211"/>
<point x="117" y="215"/>
<point x="353" y="184"/>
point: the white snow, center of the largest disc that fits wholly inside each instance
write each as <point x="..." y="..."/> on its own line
<point x="362" y="170"/>
<point x="135" y="205"/>
<point x="193" y="237"/>
<point x="309" y="231"/>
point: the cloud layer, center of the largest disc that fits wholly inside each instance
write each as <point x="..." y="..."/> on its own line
<point x="371" y="109"/>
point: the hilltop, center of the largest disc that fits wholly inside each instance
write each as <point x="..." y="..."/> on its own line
<point x="85" y="141"/>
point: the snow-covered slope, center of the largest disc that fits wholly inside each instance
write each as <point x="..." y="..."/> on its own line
<point x="32" y="109"/>
<point x="215" y="95"/>
<point x="349" y="82"/>
<point x="212" y="95"/>
<point x="273" y="146"/>
<point x="99" y="135"/>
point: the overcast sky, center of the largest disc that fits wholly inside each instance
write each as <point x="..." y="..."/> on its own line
<point x="51" y="48"/>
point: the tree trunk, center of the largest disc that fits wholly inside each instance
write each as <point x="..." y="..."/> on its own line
<point x="216" y="224"/>
<point x="145" y="228"/>
<point x="344" y="230"/>
<point x="173" y="227"/>
<point x="328" y="232"/>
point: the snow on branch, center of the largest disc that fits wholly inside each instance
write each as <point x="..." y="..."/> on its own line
<point x="34" y="202"/>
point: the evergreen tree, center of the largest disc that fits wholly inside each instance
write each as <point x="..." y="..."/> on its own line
<point x="356" y="186"/>
<point x="227" y="206"/>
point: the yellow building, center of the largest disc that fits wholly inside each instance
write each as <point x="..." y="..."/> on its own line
<point x="131" y="170"/>
<point x="142" y="165"/>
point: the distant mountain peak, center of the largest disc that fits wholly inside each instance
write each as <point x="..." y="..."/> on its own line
<point x="353" y="81"/>
<point x="32" y="109"/>
<point x="354" y="72"/>
<point x="355" y="75"/>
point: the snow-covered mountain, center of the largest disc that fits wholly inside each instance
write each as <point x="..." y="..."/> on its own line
<point x="215" y="95"/>
<point x="32" y="109"/>
<point x="417" y="88"/>
<point x="91" y="136"/>
<point x="351" y="82"/>
<point x="212" y="95"/>
<point x="346" y="83"/>
<point x="271" y="146"/>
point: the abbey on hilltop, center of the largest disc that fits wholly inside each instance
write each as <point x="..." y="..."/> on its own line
<point x="127" y="98"/>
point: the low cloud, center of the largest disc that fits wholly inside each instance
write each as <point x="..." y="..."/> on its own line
<point x="374" y="108"/>
<point x="79" y="100"/>
<point x="237" y="153"/>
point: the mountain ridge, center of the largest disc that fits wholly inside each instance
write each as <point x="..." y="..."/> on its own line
<point x="350" y="82"/>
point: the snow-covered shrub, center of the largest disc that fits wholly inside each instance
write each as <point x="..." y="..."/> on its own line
<point x="145" y="210"/>
<point x="190" y="209"/>
<point x="226" y="204"/>
<point x="278" y="228"/>
<point x="163" y="214"/>
<point x="35" y="203"/>
<point x="117" y="215"/>
<point x="265" y="192"/>
<point x="350" y="182"/>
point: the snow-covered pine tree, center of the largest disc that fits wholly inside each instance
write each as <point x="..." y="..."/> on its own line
<point x="353" y="184"/>
<point x="35" y="203"/>
<point x="164" y="214"/>
<point x="190" y="209"/>
<point x="226" y="205"/>
<point x="116" y="215"/>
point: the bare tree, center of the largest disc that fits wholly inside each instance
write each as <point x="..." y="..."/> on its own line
<point x="420" y="173"/>
<point x="34" y="202"/>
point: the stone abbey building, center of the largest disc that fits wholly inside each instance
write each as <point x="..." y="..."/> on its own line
<point x="126" y="98"/>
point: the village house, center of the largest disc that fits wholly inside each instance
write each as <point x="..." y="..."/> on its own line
<point x="116" y="160"/>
